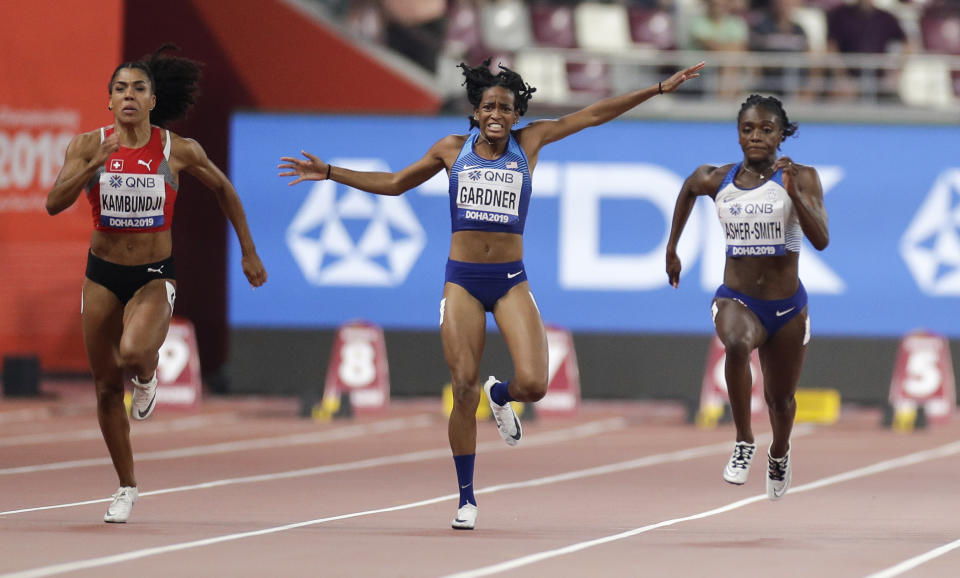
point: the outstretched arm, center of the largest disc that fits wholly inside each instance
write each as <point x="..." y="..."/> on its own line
<point x="192" y="158"/>
<point x="543" y="132"/>
<point x="703" y="181"/>
<point x="803" y="185"/>
<point x="312" y="168"/>
<point x="85" y="154"/>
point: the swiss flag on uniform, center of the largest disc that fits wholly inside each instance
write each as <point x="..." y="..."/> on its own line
<point x="116" y="166"/>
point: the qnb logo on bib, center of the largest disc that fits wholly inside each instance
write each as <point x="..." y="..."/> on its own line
<point x="489" y="195"/>
<point x="131" y="201"/>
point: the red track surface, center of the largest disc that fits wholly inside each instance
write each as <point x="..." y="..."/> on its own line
<point x="374" y="496"/>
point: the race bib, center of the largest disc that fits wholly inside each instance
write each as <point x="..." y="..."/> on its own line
<point x="489" y="195"/>
<point x="754" y="228"/>
<point x="131" y="201"/>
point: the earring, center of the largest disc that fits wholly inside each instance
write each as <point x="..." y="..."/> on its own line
<point x="109" y="107"/>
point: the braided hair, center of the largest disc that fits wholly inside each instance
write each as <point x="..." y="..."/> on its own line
<point x="173" y="80"/>
<point x="478" y="79"/>
<point x="772" y="104"/>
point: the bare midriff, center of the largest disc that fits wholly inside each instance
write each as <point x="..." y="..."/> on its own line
<point x="486" y="247"/>
<point x="132" y="248"/>
<point x="766" y="278"/>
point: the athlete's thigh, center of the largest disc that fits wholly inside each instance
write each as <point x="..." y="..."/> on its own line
<point x="782" y="356"/>
<point x="463" y="326"/>
<point x="520" y="324"/>
<point x="737" y="325"/>
<point x="146" y="318"/>
<point x="102" y="323"/>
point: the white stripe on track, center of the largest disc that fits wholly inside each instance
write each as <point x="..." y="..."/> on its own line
<point x="557" y="436"/>
<point x="880" y="467"/>
<point x="912" y="563"/>
<point x="149" y="428"/>
<point x="136" y="554"/>
<point x="340" y="433"/>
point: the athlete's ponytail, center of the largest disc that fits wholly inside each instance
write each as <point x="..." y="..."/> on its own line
<point x="173" y="80"/>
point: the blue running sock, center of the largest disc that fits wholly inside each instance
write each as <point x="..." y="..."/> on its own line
<point x="465" y="478"/>
<point x="500" y="393"/>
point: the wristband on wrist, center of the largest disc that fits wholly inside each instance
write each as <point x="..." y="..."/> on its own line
<point x="660" y="88"/>
<point x="328" y="172"/>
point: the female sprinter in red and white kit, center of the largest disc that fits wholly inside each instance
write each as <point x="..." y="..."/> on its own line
<point x="130" y="171"/>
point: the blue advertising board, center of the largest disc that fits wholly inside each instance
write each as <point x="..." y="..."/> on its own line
<point x="597" y="226"/>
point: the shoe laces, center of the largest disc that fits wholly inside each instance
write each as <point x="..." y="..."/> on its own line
<point x="742" y="456"/>
<point x="777" y="468"/>
<point x="121" y="493"/>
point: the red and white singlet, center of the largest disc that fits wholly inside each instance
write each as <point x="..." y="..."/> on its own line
<point x="134" y="191"/>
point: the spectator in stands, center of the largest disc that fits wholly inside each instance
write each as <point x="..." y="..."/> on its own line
<point x="131" y="171"/>
<point x="489" y="171"/>
<point x="862" y="28"/>
<point x="762" y="303"/>
<point x="719" y="29"/>
<point x="776" y="31"/>
<point x="415" y="29"/>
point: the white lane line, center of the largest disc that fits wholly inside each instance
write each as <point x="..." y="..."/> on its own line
<point x="133" y="555"/>
<point x="912" y="563"/>
<point x="880" y="467"/>
<point x="340" y="433"/>
<point x="149" y="428"/>
<point x="557" y="436"/>
<point x="18" y="415"/>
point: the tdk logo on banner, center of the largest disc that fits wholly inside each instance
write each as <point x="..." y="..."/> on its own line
<point x="931" y="245"/>
<point x="342" y="236"/>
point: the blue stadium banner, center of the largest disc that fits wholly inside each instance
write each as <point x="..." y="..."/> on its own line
<point x="597" y="226"/>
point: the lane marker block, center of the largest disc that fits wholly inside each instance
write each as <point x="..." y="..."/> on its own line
<point x="923" y="386"/>
<point x="358" y="379"/>
<point x="179" y="382"/>
<point x="818" y="406"/>
<point x="563" y="376"/>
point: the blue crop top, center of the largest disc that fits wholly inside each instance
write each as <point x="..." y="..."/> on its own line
<point x="489" y="195"/>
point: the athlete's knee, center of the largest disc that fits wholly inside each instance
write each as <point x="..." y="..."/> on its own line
<point x="738" y="351"/>
<point x="135" y="356"/>
<point x="109" y="391"/>
<point x="780" y="404"/>
<point x="466" y="395"/>
<point x="529" y="386"/>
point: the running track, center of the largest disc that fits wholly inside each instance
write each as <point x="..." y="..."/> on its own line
<point x="246" y="488"/>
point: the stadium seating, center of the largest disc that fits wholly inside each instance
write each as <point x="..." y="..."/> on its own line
<point x="602" y="26"/>
<point x="553" y="26"/>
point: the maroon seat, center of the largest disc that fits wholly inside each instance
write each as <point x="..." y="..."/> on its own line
<point x="940" y="31"/>
<point x="590" y="76"/>
<point x="652" y="27"/>
<point x="463" y="30"/>
<point x="553" y="26"/>
<point x="940" y="34"/>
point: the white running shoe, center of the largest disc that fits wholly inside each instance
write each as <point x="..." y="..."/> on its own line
<point x="507" y="421"/>
<point x="123" y="500"/>
<point x="738" y="468"/>
<point x="144" y="397"/>
<point x="466" y="518"/>
<point x="778" y="475"/>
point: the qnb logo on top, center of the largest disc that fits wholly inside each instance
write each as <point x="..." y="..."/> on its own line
<point x="343" y="236"/>
<point x="931" y="244"/>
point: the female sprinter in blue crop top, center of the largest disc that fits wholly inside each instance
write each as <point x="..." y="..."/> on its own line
<point x="765" y="205"/>
<point x="489" y="171"/>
